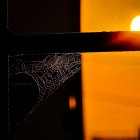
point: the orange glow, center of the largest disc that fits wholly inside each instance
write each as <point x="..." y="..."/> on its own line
<point x="72" y="103"/>
<point x="110" y="94"/>
<point x="132" y="39"/>
<point x="111" y="81"/>
<point x="108" y="15"/>
<point x="135" y="25"/>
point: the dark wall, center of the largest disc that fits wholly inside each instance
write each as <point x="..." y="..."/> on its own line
<point x="53" y="120"/>
<point x="43" y="16"/>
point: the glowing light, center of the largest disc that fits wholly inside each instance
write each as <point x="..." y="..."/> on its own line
<point x="72" y="103"/>
<point x="135" y="25"/>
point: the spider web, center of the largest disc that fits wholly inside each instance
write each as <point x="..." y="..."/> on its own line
<point x="49" y="73"/>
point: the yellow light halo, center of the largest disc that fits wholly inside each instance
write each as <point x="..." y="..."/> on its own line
<point x="135" y="24"/>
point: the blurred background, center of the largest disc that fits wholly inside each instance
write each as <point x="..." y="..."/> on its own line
<point x="110" y="81"/>
<point x="107" y="92"/>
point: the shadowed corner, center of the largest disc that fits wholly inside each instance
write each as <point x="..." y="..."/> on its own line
<point x="118" y="138"/>
<point x="139" y="133"/>
<point x="99" y="138"/>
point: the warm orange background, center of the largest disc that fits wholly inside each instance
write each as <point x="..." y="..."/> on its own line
<point x="110" y="81"/>
<point x="108" y="15"/>
<point x="111" y="94"/>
